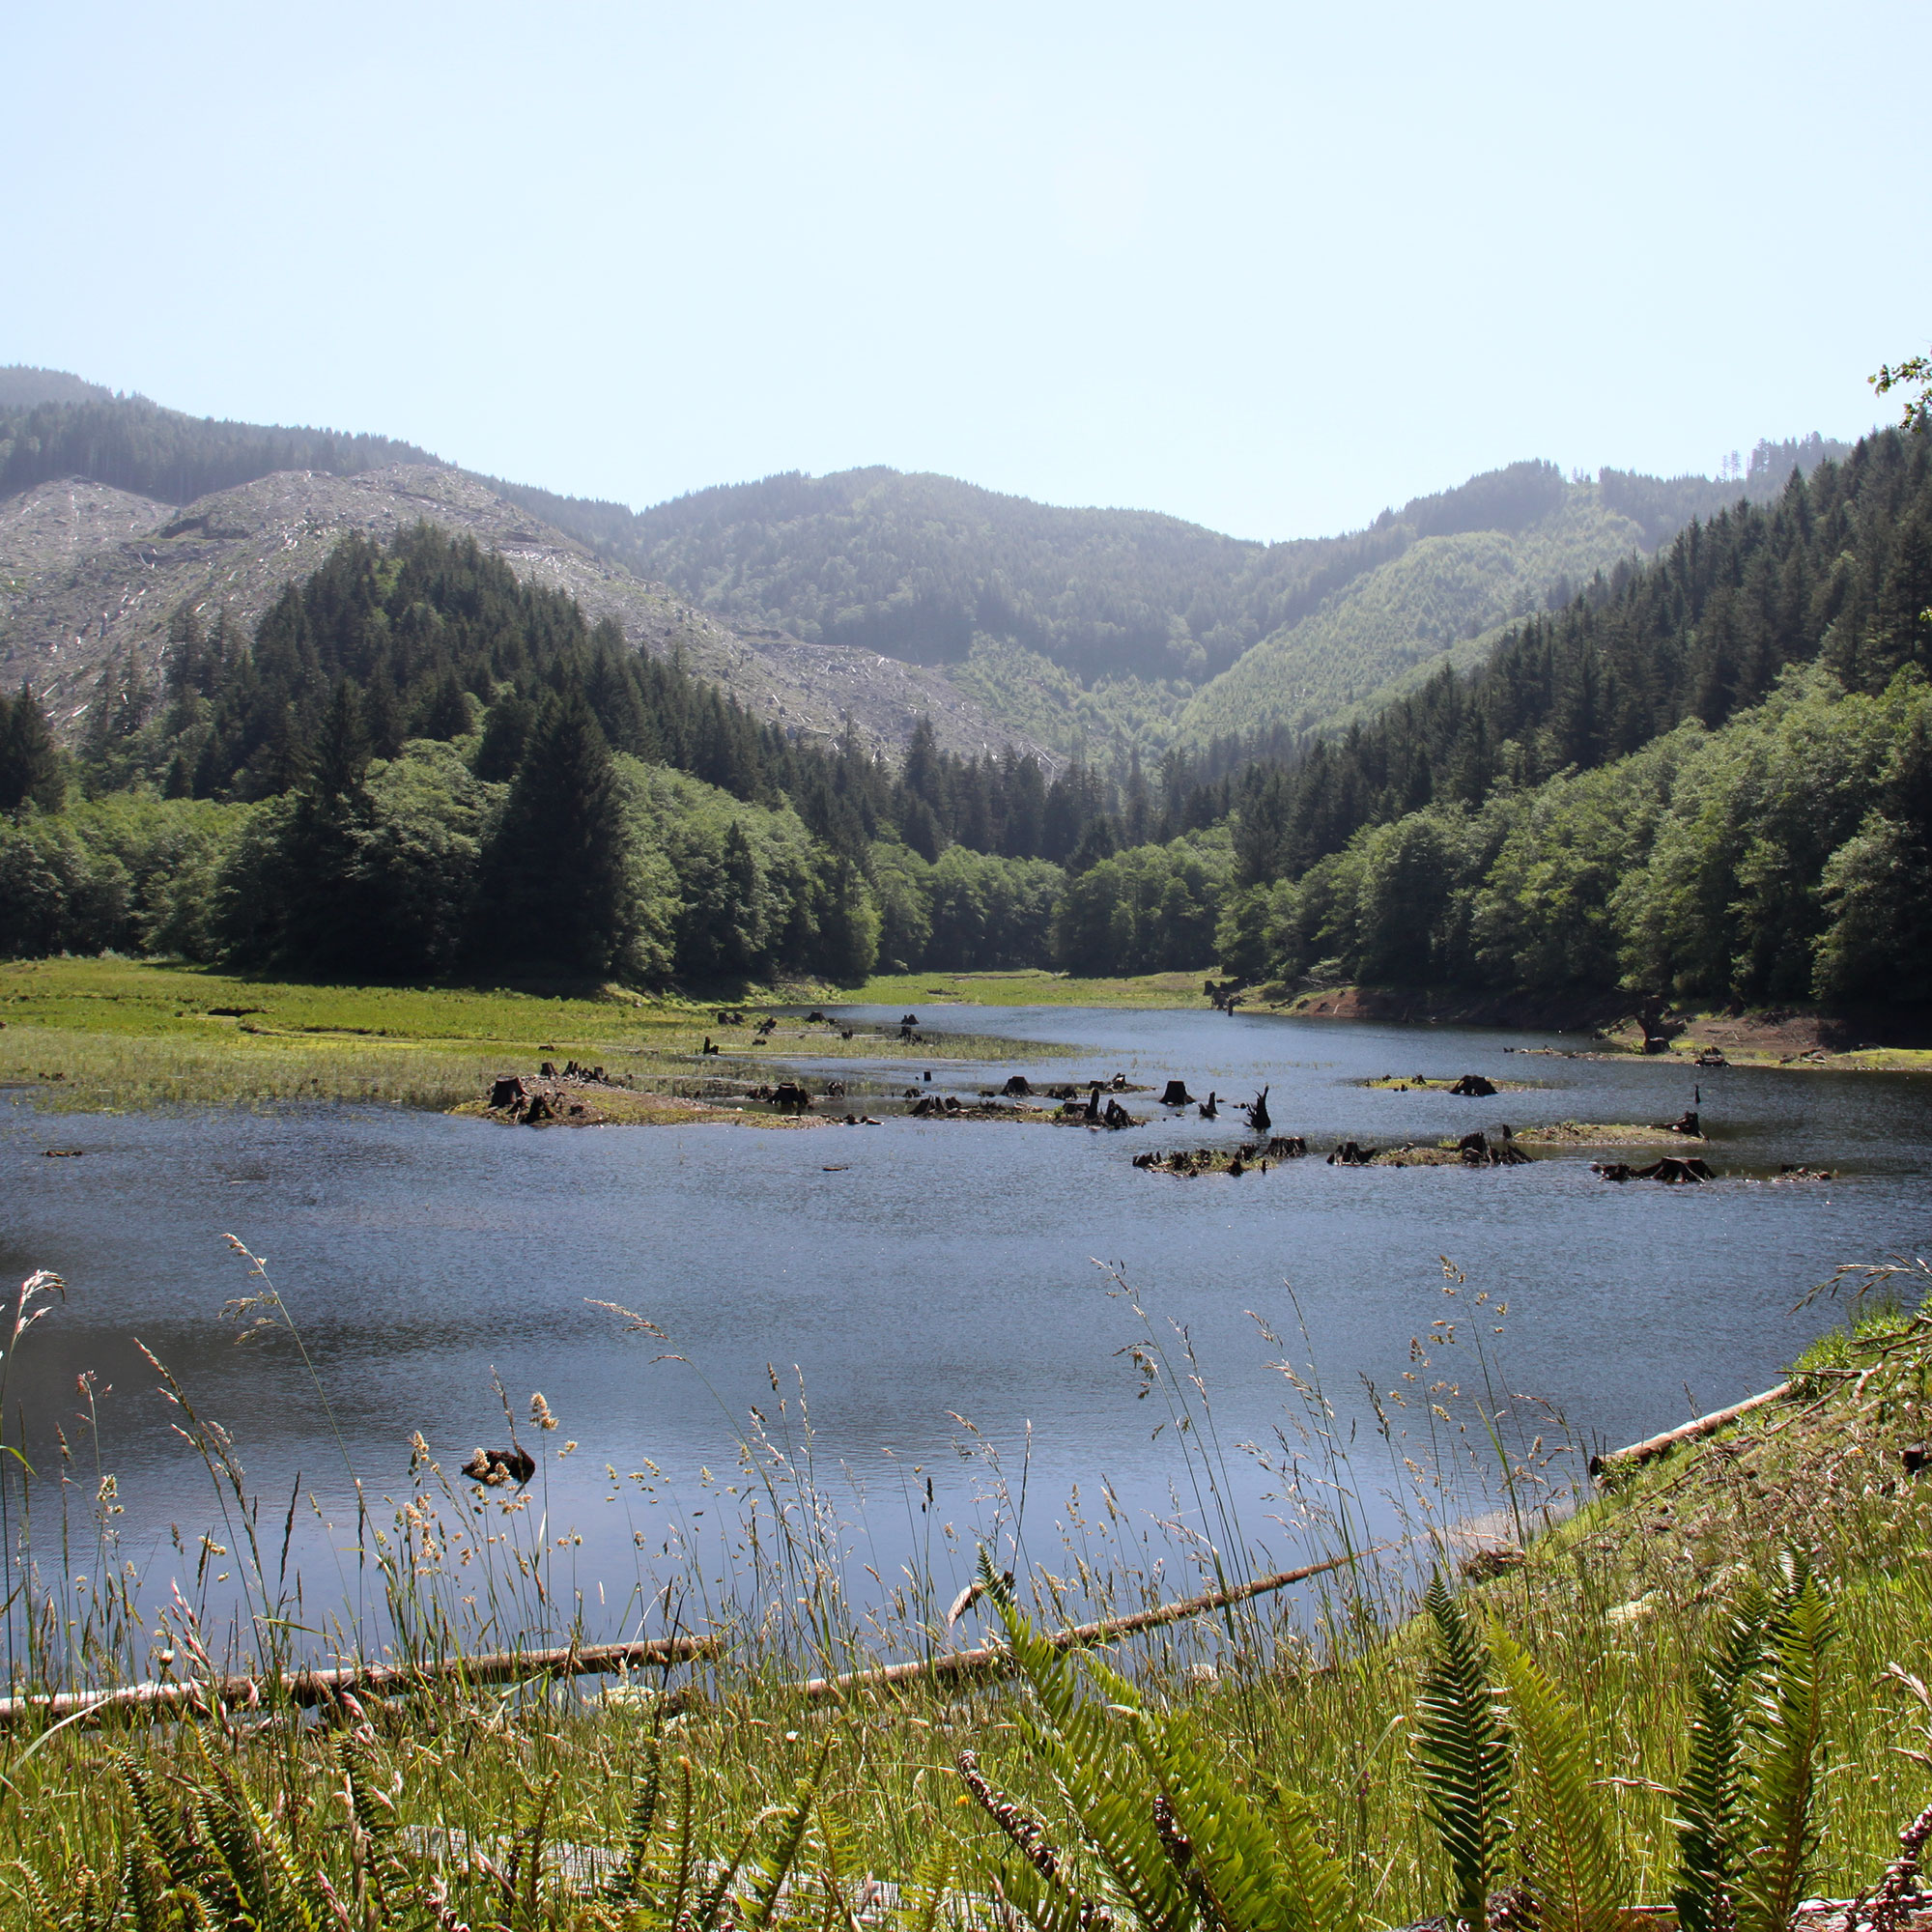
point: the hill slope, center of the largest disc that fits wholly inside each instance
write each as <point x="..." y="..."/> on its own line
<point x="1440" y="591"/>
<point x="90" y="574"/>
<point x="1082" y="625"/>
<point x="886" y="595"/>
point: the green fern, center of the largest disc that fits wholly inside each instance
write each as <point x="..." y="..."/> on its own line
<point x="519" y="1880"/>
<point x="793" y="1824"/>
<point x="1181" y="1841"/>
<point x="1709" y="1801"/>
<point x="625" y="1889"/>
<point x="1080" y="1744"/>
<point x="920" y="1905"/>
<point x="1038" y="1889"/>
<point x="1787" y="1736"/>
<point x="1249" y="1868"/>
<point x="1567" y="1840"/>
<point x="1463" y="1756"/>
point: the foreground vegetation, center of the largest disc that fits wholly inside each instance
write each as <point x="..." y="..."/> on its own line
<point x="1708" y="1682"/>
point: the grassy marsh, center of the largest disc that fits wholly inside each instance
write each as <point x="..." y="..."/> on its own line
<point x="108" y="1033"/>
<point x="1032" y="986"/>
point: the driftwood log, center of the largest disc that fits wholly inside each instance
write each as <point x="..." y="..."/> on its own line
<point x="1684" y="1432"/>
<point x="322" y="1687"/>
<point x="995" y="1660"/>
<point x="377" y="1680"/>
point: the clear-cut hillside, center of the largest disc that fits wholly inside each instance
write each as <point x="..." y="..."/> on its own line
<point x="89" y="572"/>
<point x="1357" y="648"/>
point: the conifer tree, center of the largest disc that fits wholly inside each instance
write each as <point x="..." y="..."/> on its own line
<point x="32" y="770"/>
<point x="327" y="913"/>
<point x="560" y="865"/>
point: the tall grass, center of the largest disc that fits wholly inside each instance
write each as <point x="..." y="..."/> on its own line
<point x="1618" y="1608"/>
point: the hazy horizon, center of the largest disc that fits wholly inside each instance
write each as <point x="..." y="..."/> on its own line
<point x="1268" y="271"/>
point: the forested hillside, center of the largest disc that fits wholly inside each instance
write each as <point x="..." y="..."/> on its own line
<point x="1706" y="776"/>
<point x="1097" y="632"/>
<point x="131" y="443"/>
<point x="22" y="388"/>
<point x="1090" y="632"/>
<point x="418" y="764"/>
<point x="1704" y="771"/>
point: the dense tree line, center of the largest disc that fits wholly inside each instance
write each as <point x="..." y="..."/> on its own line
<point x="134" y="444"/>
<point x="1708" y="776"/>
<point x="1839" y="568"/>
<point x="1787" y="855"/>
<point x="419" y="766"/>
<point x="1707" y="773"/>
<point x="23" y="386"/>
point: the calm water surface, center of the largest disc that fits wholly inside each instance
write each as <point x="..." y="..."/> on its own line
<point x="943" y="1271"/>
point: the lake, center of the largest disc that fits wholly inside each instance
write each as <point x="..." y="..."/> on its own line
<point x="921" y="1276"/>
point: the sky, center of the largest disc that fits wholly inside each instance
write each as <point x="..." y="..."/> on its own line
<point x="1267" y="267"/>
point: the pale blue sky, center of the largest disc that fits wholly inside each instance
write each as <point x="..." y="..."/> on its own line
<point x="1270" y="267"/>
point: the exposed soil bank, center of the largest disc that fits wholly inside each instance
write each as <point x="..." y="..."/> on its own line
<point x="1609" y="1023"/>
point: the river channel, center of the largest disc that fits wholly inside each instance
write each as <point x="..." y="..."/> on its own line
<point x="917" y="1273"/>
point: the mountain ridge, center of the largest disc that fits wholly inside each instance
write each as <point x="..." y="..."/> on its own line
<point x="90" y="577"/>
<point x="1071" y="631"/>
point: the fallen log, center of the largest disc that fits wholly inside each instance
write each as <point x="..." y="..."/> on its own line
<point x="377" y="1680"/>
<point x="995" y="1660"/>
<point x="1684" y="1432"/>
<point x="319" y="1687"/>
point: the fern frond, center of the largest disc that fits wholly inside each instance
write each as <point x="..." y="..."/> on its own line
<point x="1463" y="1756"/>
<point x="40" y="1905"/>
<point x="684" y="1877"/>
<point x="1787" y="1735"/>
<point x="625" y="1887"/>
<point x="166" y="1837"/>
<point x="1039" y="1888"/>
<point x="522" y="1880"/>
<point x="246" y="1893"/>
<point x="1097" y="1775"/>
<point x="793" y="1824"/>
<point x="1568" y="1844"/>
<point x="1708" y="1801"/>
<point x="710" y="1906"/>
<point x="1246" y="1871"/>
<point x="839" y="1870"/>
<point x="922" y="1902"/>
<point x="144" y="1884"/>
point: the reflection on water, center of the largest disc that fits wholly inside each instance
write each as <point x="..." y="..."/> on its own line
<point x="923" y="1271"/>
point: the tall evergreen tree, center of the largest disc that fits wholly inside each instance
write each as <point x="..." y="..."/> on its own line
<point x="326" y="922"/>
<point x="559" y="866"/>
<point x="32" y="770"/>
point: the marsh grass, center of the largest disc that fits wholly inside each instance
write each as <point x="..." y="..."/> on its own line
<point x="107" y="1033"/>
<point x="1618" y="1602"/>
<point x="1034" y="986"/>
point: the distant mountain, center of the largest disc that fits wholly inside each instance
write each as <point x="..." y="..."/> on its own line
<point x="131" y="443"/>
<point x="1091" y="632"/>
<point x="90" y="575"/>
<point x="23" y="387"/>
<point x="1086" y="627"/>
